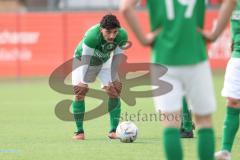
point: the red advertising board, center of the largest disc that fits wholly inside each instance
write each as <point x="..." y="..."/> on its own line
<point x="34" y="44"/>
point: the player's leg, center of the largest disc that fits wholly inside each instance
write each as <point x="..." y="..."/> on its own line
<point x="113" y="87"/>
<point x="200" y="92"/>
<point x="78" y="106"/>
<point x="170" y="105"/>
<point x="231" y="125"/>
<point x="206" y="139"/>
<point x="186" y="123"/>
<point x="171" y="135"/>
<point x="114" y="106"/>
<point x="78" y="109"/>
<point x="231" y="90"/>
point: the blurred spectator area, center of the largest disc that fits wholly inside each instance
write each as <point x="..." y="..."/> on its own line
<point x="9" y="5"/>
<point x="89" y="4"/>
<point x="31" y="5"/>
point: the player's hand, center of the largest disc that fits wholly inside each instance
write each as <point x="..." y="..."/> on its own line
<point x="80" y="89"/>
<point x="208" y="36"/>
<point x="150" y="37"/>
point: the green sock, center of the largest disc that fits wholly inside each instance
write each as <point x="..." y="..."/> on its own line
<point x="231" y="125"/>
<point x="78" y="108"/>
<point x="172" y="144"/>
<point x="114" y="108"/>
<point x="206" y="144"/>
<point x="186" y="117"/>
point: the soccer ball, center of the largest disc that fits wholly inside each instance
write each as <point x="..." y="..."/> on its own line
<point x="127" y="132"/>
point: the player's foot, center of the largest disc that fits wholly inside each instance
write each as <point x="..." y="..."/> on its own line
<point x="112" y="135"/>
<point x="78" y="136"/>
<point x="186" y="134"/>
<point x="222" y="155"/>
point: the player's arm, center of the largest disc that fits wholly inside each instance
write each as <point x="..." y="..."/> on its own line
<point x="88" y="47"/>
<point x="117" y="58"/>
<point x="87" y="53"/>
<point x="123" y="44"/>
<point x="224" y="15"/>
<point x="127" y="8"/>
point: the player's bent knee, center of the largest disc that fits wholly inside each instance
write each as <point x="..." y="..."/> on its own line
<point x="80" y="92"/>
<point x="118" y="86"/>
<point x="171" y="119"/>
<point x="203" y="121"/>
<point x="111" y="91"/>
<point x="233" y="102"/>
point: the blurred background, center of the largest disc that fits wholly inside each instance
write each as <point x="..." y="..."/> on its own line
<point x="36" y="36"/>
<point x="33" y="5"/>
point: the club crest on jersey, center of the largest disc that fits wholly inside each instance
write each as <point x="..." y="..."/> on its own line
<point x="109" y="47"/>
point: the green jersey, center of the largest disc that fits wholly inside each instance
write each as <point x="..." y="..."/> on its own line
<point x="179" y="42"/>
<point x="235" y="31"/>
<point x="102" y="50"/>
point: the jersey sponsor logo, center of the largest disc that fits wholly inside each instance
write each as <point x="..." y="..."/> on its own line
<point x="101" y="55"/>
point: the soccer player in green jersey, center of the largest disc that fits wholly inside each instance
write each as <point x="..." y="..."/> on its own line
<point x="231" y="88"/>
<point x="181" y="48"/>
<point x="95" y="58"/>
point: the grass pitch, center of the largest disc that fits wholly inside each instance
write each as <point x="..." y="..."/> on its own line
<point x="30" y="130"/>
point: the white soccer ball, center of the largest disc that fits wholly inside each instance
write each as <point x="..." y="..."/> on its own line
<point x="127" y="132"/>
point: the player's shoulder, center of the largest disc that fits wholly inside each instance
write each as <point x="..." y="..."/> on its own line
<point x="122" y="35"/>
<point x="91" y="36"/>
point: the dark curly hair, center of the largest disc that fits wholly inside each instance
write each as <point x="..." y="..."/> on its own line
<point x="109" y="21"/>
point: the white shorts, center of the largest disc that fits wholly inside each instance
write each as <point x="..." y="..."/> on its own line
<point x="102" y="72"/>
<point x="192" y="81"/>
<point x="231" y="86"/>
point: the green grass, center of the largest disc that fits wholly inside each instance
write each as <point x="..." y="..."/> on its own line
<point x="29" y="129"/>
